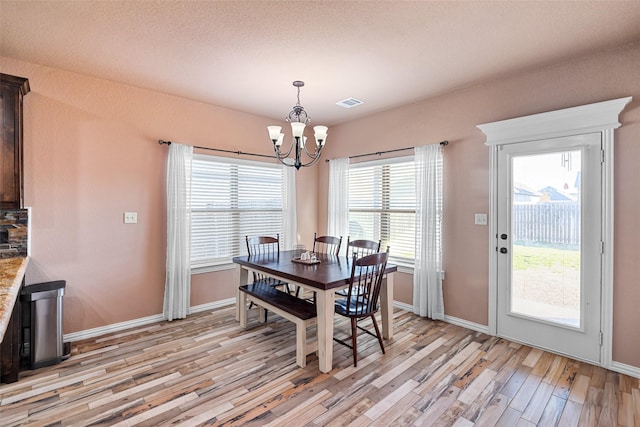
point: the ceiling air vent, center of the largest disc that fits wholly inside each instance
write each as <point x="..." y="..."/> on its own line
<point x="349" y="102"/>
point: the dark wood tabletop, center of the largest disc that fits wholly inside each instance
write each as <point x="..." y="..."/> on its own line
<point x="330" y="273"/>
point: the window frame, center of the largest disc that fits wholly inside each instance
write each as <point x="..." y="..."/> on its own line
<point x="237" y="247"/>
<point x="384" y="226"/>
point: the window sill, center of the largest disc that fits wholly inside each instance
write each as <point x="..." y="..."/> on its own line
<point x="409" y="269"/>
<point x="202" y="269"/>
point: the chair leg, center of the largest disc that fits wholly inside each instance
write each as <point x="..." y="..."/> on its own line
<point x="354" y="335"/>
<point x="375" y="325"/>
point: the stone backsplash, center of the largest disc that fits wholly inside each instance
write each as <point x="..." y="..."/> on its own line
<point x="14" y="232"/>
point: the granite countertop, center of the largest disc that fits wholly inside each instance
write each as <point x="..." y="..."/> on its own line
<point x="11" y="273"/>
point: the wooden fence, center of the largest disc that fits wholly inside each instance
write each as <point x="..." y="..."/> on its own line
<point x="550" y="223"/>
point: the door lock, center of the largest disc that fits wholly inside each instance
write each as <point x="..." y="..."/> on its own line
<point x="503" y="236"/>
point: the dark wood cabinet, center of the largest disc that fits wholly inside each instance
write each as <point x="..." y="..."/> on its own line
<point x="12" y="90"/>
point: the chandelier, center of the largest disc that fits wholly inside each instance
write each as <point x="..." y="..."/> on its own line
<point x="298" y="119"/>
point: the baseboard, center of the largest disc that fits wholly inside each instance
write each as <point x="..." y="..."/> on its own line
<point x="213" y="305"/>
<point x="466" y="324"/>
<point x="403" y="306"/>
<point x="622" y="368"/>
<point x="449" y="319"/>
<point x="117" y="327"/>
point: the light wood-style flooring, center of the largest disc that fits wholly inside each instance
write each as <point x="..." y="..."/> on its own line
<point x="206" y="370"/>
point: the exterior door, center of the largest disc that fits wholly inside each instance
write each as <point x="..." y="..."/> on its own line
<point x="549" y="242"/>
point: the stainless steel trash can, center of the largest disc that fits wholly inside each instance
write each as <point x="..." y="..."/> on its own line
<point x="42" y="323"/>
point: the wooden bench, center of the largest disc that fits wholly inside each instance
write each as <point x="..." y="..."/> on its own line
<point x="299" y="311"/>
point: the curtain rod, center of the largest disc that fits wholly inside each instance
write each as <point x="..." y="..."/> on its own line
<point x="379" y="153"/>
<point x="239" y="153"/>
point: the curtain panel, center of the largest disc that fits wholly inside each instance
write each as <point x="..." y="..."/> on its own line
<point x="177" y="288"/>
<point x="427" y="277"/>
<point x="338" y="203"/>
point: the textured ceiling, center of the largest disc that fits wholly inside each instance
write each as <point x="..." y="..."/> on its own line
<point x="245" y="54"/>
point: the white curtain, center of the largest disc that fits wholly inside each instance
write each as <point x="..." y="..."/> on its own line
<point x="177" y="288"/>
<point x="427" y="277"/>
<point x="289" y="215"/>
<point x="338" y="210"/>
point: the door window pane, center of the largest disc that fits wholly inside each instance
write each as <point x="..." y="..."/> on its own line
<point x="546" y="256"/>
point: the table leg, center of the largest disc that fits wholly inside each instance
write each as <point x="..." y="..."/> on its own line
<point x="244" y="277"/>
<point x="325" y="307"/>
<point x="386" y="306"/>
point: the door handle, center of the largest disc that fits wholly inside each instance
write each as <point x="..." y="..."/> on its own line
<point x="503" y="250"/>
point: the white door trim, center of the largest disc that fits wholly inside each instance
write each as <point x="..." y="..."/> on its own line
<point x="598" y="117"/>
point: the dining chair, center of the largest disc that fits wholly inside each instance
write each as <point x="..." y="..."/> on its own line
<point x="362" y="297"/>
<point x="329" y="245"/>
<point x="360" y="248"/>
<point x="265" y="246"/>
<point x="325" y="245"/>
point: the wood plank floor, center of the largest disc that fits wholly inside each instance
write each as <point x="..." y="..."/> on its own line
<point x="205" y="370"/>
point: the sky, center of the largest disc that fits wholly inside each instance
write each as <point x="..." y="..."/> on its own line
<point x="541" y="170"/>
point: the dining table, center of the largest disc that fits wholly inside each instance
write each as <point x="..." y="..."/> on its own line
<point x="324" y="277"/>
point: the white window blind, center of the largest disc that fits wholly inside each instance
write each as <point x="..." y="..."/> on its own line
<point x="382" y="205"/>
<point x="231" y="199"/>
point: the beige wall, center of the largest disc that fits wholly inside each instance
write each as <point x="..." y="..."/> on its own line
<point x="91" y="154"/>
<point x="454" y="117"/>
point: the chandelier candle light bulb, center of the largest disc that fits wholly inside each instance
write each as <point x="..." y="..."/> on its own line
<point x="298" y="119"/>
<point x="320" y="134"/>
<point x="297" y="129"/>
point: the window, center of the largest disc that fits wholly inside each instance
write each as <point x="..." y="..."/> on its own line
<point x="382" y="205"/>
<point x="231" y="199"/>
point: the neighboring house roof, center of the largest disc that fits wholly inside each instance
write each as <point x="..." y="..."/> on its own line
<point x="521" y="190"/>
<point x="554" y="195"/>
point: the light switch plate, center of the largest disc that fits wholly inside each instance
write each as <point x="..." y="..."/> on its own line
<point x="481" y="219"/>
<point x="130" y="217"/>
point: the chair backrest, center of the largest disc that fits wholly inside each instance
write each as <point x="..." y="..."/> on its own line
<point x="263" y="245"/>
<point x="362" y="247"/>
<point x="365" y="283"/>
<point x="329" y="245"/>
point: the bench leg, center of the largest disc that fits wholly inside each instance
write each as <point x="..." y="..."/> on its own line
<point x="262" y="314"/>
<point x="242" y="309"/>
<point x="301" y="343"/>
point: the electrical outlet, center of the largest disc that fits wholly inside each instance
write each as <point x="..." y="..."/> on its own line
<point x="481" y="219"/>
<point x="130" y="217"/>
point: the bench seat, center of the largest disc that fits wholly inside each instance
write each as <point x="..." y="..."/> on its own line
<point x="299" y="311"/>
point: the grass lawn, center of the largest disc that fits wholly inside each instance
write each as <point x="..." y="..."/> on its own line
<point x="539" y="257"/>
